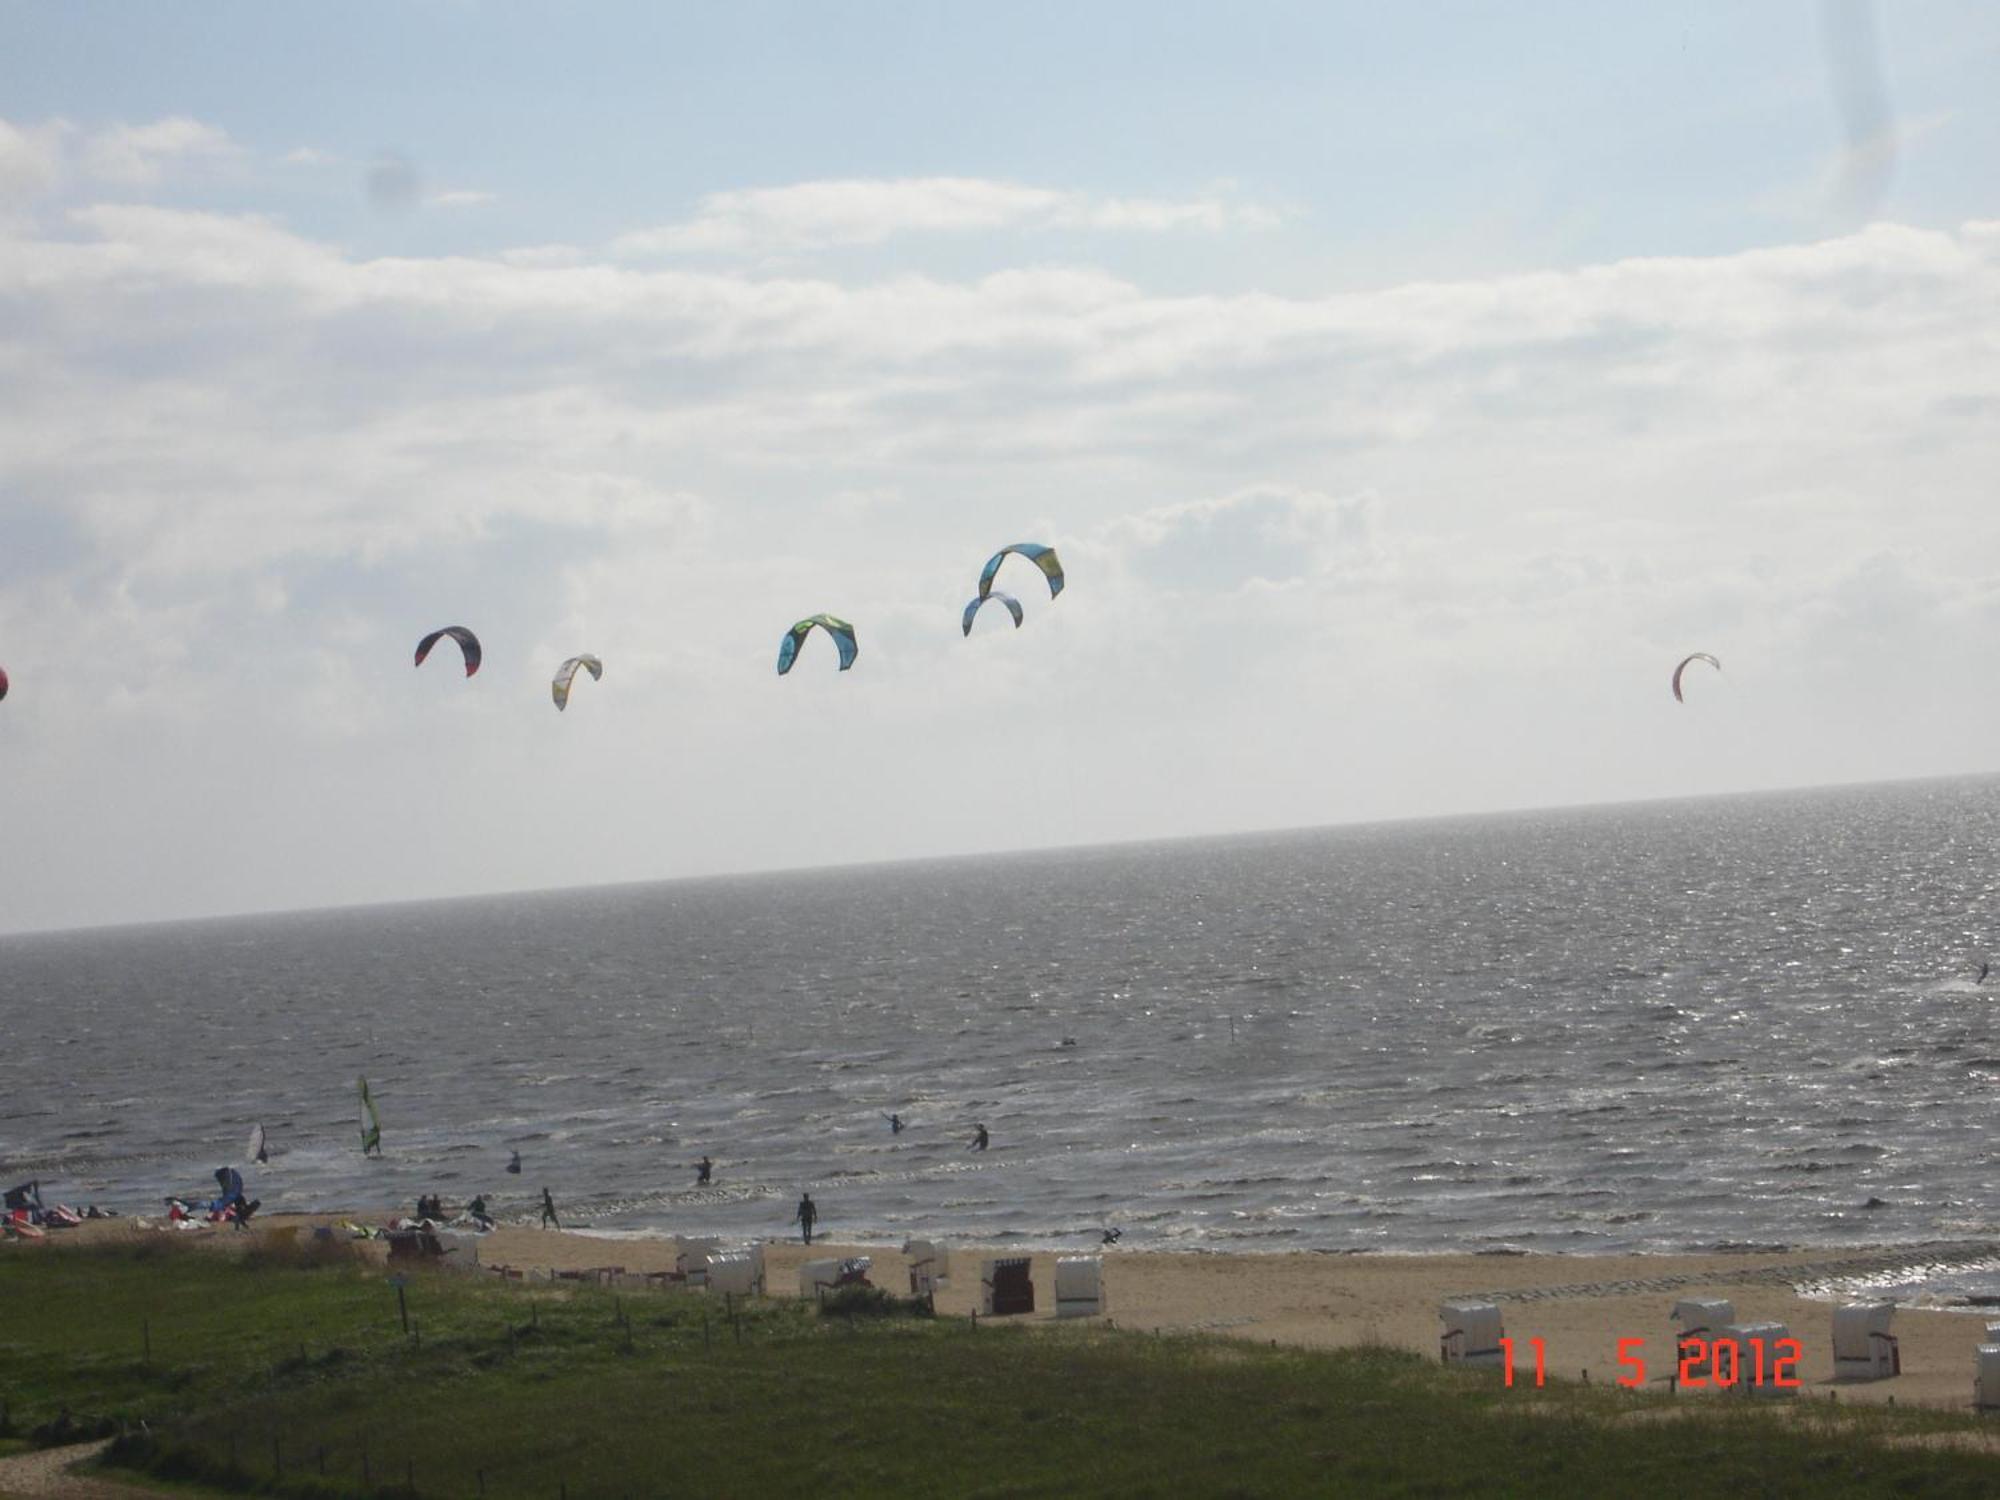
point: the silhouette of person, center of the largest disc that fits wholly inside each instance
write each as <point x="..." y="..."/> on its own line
<point x="701" y="1170"/>
<point x="514" y="1164"/>
<point x="895" y="1124"/>
<point x="549" y="1211"/>
<point x="806" y="1217"/>
<point x="979" y="1141"/>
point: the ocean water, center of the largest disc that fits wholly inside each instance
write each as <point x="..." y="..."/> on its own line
<point x="1664" y="1026"/>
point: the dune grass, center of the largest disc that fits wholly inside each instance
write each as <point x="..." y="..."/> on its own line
<point x="294" y="1376"/>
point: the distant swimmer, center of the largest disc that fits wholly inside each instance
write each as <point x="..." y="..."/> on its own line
<point x="979" y="1141"/>
<point x="895" y="1124"/>
<point x="806" y="1217"/>
<point x="701" y="1170"/>
<point x="514" y="1164"/>
<point x="1112" y="1236"/>
<point x="549" y="1211"/>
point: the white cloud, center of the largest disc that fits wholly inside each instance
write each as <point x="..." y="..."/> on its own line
<point x="463" y="198"/>
<point x="866" y="211"/>
<point x="1396" y="551"/>
<point x="31" y="159"/>
<point x="144" y="155"/>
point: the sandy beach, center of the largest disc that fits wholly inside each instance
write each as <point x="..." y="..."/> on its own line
<point x="1580" y="1306"/>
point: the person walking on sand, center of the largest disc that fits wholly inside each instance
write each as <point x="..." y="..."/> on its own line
<point x="549" y="1211"/>
<point x="979" y="1140"/>
<point x="806" y="1217"/>
<point x="701" y="1170"/>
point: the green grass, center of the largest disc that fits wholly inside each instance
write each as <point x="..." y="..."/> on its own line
<point x="537" y="1389"/>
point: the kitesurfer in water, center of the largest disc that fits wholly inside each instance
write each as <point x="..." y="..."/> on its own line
<point x="514" y="1164"/>
<point x="549" y="1211"/>
<point x="806" y="1217"/>
<point x="1984" y="970"/>
<point x="979" y="1140"/>
<point x="895" y="1124"/>
<point x="701" y="1170"/>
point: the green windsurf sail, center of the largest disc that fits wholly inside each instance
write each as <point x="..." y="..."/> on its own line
<point x="371" y="1124"/>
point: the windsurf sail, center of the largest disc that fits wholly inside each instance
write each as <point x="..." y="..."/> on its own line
<point x="258" y="1149"/>
<point x="371" y="1124"/>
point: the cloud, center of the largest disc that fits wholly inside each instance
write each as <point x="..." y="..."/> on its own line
<point x="1406" y="550"/>
<point x="463" y="198"/>
<point x="865" y="211"/>
<point x="31" y="159"/>
<point x="137" y="156"/>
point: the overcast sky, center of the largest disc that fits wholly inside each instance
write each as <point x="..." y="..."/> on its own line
<point x="1405" y="388"/>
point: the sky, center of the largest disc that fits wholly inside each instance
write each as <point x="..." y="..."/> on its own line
<point x="1405" y="389"/>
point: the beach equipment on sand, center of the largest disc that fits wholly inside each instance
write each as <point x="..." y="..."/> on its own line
<point x="1079" y="1286"/>
<point x="1986" y="1379"/>
<point x="927" y="1266"/>
<point x="1699" y="1319"/>
<point x="1472" y="1334"/>
<point x="1863" y="1347"/>
<point x="732" y="1273"/>
<point x="817" y="1276"/>
<point x="1757" y="1371"/>
<point x="691" y="1258"/>
<point x="1006" y="1287"/>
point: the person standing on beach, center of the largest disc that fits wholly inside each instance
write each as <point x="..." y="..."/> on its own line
<point x="549" y="1211"/>
<point x="979" y="1140"/>
<point x="701" y="1170"/>
<point x="806" y="1217"/>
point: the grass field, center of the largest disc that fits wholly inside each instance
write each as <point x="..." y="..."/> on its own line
<point x="286" y="1373"/>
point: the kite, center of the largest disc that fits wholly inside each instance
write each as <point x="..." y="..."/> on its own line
<point x="1698" y="656"/>
<point x="1042" y="557"/>
<point x="1013" y="608"/>
<point x="371" y="1124"/>
<point x="3" y="682"/>
<point x="259" y="1149"/>
<point x="840" y="630"/>
<point x="467" y="642"/>
<point x="560" y="687"/>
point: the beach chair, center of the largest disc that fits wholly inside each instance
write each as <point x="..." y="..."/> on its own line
<point x="691" y="1259"/>
<point x="1006" y="1287"/>
<point x="1472" y="1334"/>
<point x="1699" y="1319"/>
<point x="1863" y="1347"/>
<point x="1986" y="1377"/>
<point x="1755" y="1374"/>
<point x="731" y="1274"/>
<point x="1079" y="1286"/>
<point x="927" y="1266"/>
<point x="816" y="1276"/>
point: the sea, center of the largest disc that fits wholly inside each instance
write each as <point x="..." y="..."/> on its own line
<point x="1731" y="1022"/>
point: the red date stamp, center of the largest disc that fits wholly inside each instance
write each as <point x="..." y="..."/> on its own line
<point x="1724" y="1363"/>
